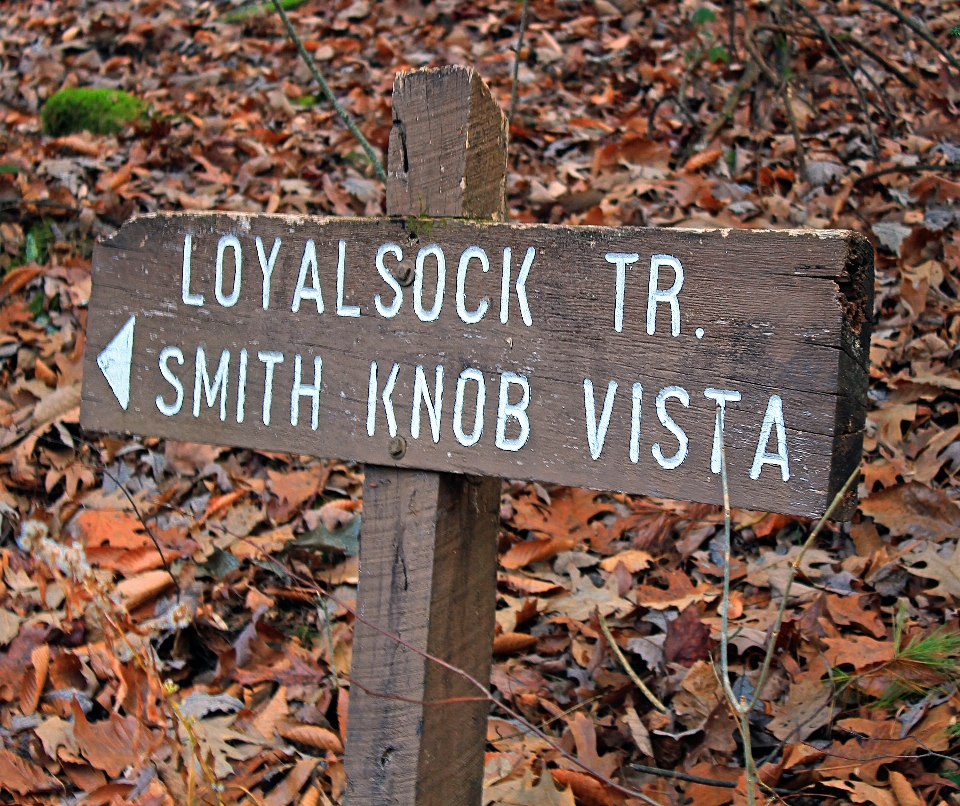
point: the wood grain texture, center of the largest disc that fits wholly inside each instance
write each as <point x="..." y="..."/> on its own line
<point x="428" y="553"/>
<point x="783" y="312"/>
<point x="448" y="146"/>
<point x="428" y="575"/>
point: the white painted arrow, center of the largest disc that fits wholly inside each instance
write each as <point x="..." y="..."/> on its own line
<point x="115" y="360"/>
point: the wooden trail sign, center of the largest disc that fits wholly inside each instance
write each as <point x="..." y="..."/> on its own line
<point x="578" y="355"/>
<point x="588" y="356"/>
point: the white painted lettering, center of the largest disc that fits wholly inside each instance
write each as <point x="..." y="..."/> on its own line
<point x="390" y="280"/>
<point x="773" y="417"/>
<point x="242" y="386"/>
<point x="387" y="399"/>
<point x="434" y="312"/>
<point x="302" y="390"/>
<point x="166" y="354"/>
<point x="188" y="298"/>
<point x="201" y="379"/>
<point x="596" y="434"/>
<point x="421" y="393"/>
<point x="343" y="310"/>
<point x="309" y="260"/>
<point x="372" y="400"/>
<point x="521" y="286"/>
<point x="469" y="374"/>
<point x="621" y="260"/>
<point x="721" y="397"/>
<point x="635" y="412"/>
<point x="266" y="267"/>
<point x="655" y="294"/>
<point x="222" y="244"/>
<point x="667" y="421"/>
<point x="470" y="317"/>
<point x="271" y="358"/>
<point x="517" y="411"/>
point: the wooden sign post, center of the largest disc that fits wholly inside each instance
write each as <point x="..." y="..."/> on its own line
<point x="441" y="341"/>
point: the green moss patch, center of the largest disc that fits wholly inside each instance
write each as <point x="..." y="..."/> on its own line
<point x="100" y="111"/>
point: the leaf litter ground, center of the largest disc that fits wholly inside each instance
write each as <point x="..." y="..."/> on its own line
<point x="620" y="121"/>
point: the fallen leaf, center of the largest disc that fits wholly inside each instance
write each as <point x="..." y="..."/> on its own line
<point x="858" y="651"/>
<point x="688" y="638"/>
<point x="679" y="593"/>
<point x="534" y="551"/>
<point x="509" y="642"/>
<point x="524" y="792"/>
<point x="586" y="598"/>
<point x="293" y="489"/>
<point x="22" y="776"/>
<point x="114" y="743"/>
<point x="312" y="735"/>
<point x="906" y="796"/>
<point x="135" y="591"/>
<point x="806" y="709"/>
<point x="287" y="790"/>
<point x="632" y="559"/>
<point x="914" y="509"/>
<point x="273" y="714"/>
<point x="929" y="564"/>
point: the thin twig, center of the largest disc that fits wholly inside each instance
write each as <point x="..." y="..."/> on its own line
<point x="729" y="106"/>
<point x="699" y="779"/>
<point x="516" y="60"/>
<point x="919" y="29"/>
<point x="879" y="58"/>
<point x="794" y="567"/>
<point x="345" y="116"/>
<point x="846" y="69"/>
<point x="950" y="167"/>
<point x="143" y="522"/>
<point x="739" y="707"/>
<point x="654" y="700"/>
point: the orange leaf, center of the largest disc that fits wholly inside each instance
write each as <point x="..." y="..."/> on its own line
<point x="114" y="743"/>
<point x="35" y="679"/>
<point x="100" y="527"/>
<point x="312" y="735"/>
<point x="533" y="551"/>
<point x="703" y="159"/>
<point x="511" y="642"/>
<point x="19" y="775"/>
<point x="17" y="279"/>
<point x="137" y="590"/>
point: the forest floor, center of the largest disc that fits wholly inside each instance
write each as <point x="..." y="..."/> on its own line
<point x="842" y="115"/>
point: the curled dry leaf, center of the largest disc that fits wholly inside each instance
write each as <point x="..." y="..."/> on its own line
<point x="535" y="551"/>
<point x="510" y="642"/>
<point x="312" y="736"/>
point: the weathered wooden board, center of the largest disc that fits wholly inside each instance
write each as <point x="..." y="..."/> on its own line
<point x="539" y="322"/>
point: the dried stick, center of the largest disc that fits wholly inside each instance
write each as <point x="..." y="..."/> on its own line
<point x="739" y="707"/>
<point x="749" y="76"/>
<point x="950" y="167"/>
<point x="882" y="60"/>
<point x="783" y="90"/>
<point x="846" y="69"/>
<point x="344" y="115"/>
<point x="919" y="29"/>
<point x="654" y="700"/>
<point x="516" y="60"/>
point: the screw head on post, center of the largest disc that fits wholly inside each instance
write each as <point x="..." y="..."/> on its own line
<point x="397" y="447"/>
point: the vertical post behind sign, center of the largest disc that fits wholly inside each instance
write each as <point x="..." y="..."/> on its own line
<point x="429" y="548"/>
